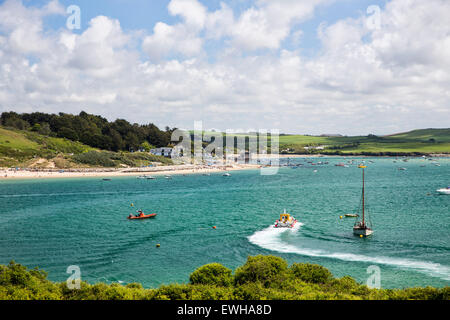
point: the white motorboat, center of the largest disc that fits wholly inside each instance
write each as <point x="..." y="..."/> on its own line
<point x="444" y="190"/>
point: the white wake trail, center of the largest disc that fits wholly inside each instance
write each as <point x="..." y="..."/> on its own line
<point x="269" y="239"/>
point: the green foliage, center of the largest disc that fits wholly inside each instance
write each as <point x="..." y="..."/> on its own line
<point x="19" y="283"/>
<point x="262" y="269"/>
<point x="91" y="130"/>
<point x="311" y="273"/>
<point x="114" y="159"/>
<point x="212" y="274"/>
<point x="260" y="278"/>
<point x="95" y="158"/>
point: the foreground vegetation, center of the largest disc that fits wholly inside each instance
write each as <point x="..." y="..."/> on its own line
<point x="261" y="277"/>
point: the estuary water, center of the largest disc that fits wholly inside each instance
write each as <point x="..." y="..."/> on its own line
<point x="56" y="223"/>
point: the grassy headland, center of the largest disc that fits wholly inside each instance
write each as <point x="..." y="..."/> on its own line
<point x="30" y="149"/>
<point x="260" y="278"/>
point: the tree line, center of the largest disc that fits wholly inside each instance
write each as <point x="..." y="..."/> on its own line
<point x="92" y="130"/>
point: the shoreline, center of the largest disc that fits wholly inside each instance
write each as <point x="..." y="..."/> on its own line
<point x="12" y="174"/>
<point x="53" y="173"/>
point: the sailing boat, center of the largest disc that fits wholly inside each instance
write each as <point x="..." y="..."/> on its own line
<point x="362" y="227"/>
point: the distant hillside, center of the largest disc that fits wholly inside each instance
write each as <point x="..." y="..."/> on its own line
<point x="424" y="141"/>
<point x="440" y="135"/>
<point x="30" y="149"/>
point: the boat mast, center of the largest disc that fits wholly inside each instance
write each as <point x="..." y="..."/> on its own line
<point x="363" y="222"/>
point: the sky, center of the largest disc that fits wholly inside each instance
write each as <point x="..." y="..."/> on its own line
<point x="353" y="67"/>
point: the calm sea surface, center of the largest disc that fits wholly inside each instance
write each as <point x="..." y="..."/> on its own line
<point x="57" y="223"/>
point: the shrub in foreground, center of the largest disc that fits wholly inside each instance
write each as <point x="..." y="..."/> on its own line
<point x="312" y="273"/>
<point x="266" y="270"/>
<point x="260" y="278"/>
<point x="213" y="274"/>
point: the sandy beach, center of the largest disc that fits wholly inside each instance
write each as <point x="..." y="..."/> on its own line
<point x="10" y="174"/>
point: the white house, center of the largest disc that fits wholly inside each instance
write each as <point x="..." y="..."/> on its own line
<point x="165" y="152"/>
<point x="315" y="148"/>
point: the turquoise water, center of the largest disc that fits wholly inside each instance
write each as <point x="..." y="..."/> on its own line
<point x="57" y="223"/>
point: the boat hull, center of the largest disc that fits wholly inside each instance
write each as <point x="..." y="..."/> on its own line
<point x="279" y="224"/>
<point x="143" y="217"/>
<point x="443" y="191"/>
<point x="365" y="232"/>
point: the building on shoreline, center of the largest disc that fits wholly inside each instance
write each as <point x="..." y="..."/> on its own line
<point x="165" y="152"/>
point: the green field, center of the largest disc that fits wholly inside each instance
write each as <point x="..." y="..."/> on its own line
<point x="423" y="141"/>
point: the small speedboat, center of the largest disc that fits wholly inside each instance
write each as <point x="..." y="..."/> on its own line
<point x="352" y="215"/>
<point x="141" y="216"/>
<point x="444" y="190"/>
<point x="227" y="174"/>
<point x="285" y="221"/>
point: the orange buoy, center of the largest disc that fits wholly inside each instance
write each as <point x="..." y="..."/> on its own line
<point x="214" y="227"/>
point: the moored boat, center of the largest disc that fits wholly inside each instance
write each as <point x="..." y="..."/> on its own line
<point x="363" y="228"/>
<point x="444" y="190"/>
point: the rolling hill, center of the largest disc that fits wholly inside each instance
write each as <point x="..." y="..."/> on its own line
<point x="423" y="141"/>
<point x="30" y="149"/>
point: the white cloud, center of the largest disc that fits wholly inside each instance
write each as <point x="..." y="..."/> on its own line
<point x="362" y="81"/>
<point x="171" y="40"/>
<point x="192" y="11"/>
<point x="268" y="23"/>
<point x="182" y="38"/>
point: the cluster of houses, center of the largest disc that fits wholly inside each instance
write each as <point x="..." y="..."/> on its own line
<point x="243" y="157"/>
<point x="165" y="152"/>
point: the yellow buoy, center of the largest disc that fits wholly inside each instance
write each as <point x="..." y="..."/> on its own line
<point x="340" y="217"/>
<point x="158" y="245"/>
<point x="132" y="204"/>
<point x="360" y="235"/>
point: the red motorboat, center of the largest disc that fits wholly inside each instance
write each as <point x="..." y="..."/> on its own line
<point x="141" y="216"/>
